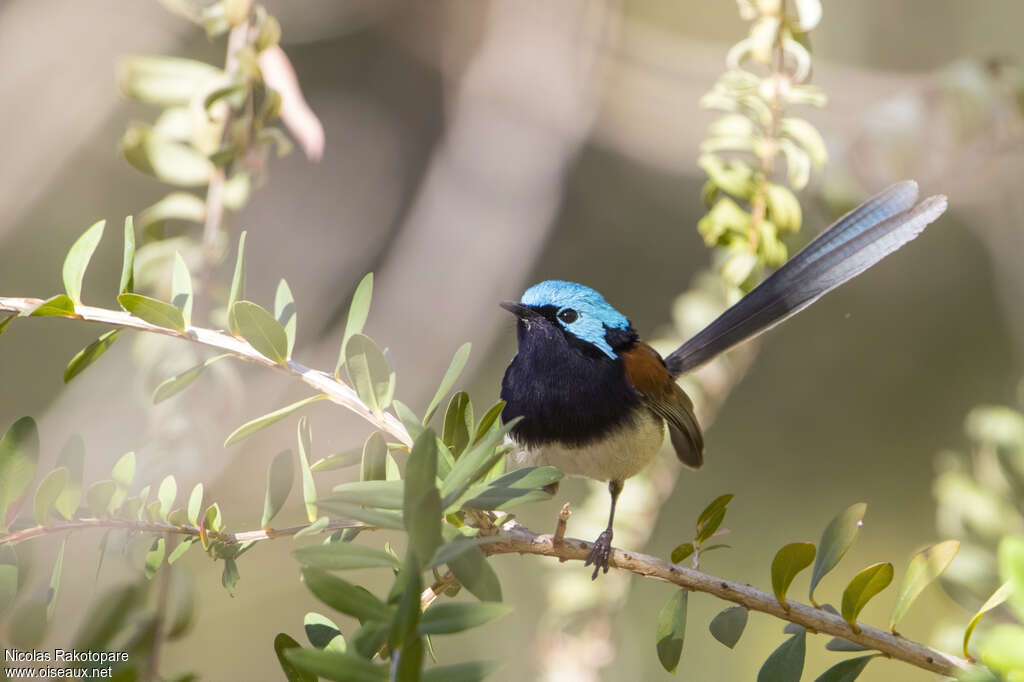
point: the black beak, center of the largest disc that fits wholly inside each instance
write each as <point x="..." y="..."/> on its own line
<point x="519" y="310"/>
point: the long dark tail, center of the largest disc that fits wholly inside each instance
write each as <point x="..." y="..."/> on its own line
<point x="854" y="243"/>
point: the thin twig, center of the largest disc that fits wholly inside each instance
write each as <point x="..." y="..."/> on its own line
<point x="434" y="591"/>
<point x="160" y="620"/>
<point x="335" y="389"/>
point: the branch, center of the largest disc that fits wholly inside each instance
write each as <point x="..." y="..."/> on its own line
<point x="335" y="389"/>
<point x="521" y="540"/>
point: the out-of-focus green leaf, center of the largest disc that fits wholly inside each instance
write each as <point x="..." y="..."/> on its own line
<point x="58" y="568"/>
<point x="456" y="546"/>
<point x="8" y="577"/>
<point x="671" y="630"/>
<point x="333" y="665"/>
<point x="90" y="354"/>
<point x="98" y="496"/>
<point x="312" y="529"/>
<point x="798" y="164"/>
<point x="308" y="485"/>
<point x="380" y="494"/>
<point x="458" y="363"/>
<point x="166" y="81"/>
<point x="374" y="461"/>
<point x="862" y="588"/>
<point x="167" y="160"/>
<point x="179" y="382"/>
<point x="72" y="458"/>
<point x="845" y="671"/>
<point x="181" y="288"/>
<point x="808" y="137"/>
<point x="280" y="477"/>
<point x="458" y="427"/>
<point x="839" y="644"/>
<point x="6" y="321"/>
<point x="283" y="644"/>
<point x="422" y="501"/>
<point x="174" y="206"/>
<point x="230" y="576"/>
<point x="402" y="636"/>
<point x="237" y="284"/>
<point x="1011" y="568"/>
<point x="343" y="596"/>
<point x="788" y="561"/>
<point x="127" y="284"/>
<point x="1003" y="651"/>
<point x="340" y="556"/>
<point x="261" y="330"/>
<point x="358" y="311"/>
<point x="369" y="373"/>
<point x="180" y="550"/>
<point x="55" y="306"/>
<point x="728" y="625"/>
<point x="155" y="557"/>
<point x="476" y="575"/>
<point x="47" y="492"/>
<point x="166" y="494"/>
<point x="783" y="208"/>
<point x="448" y="617"/>
<point x="837" y="538"/>
<point x="926" y="566"/>
<point x="19" y="455"/>
<point x="284" y="311"/>
<point x="474" y="671"/>
<point x="195" y="504"/>
<point x="157" y="313"/>
<point x="251" y="427"/>
<point x="682" y="552"/>
<point x="322" y="632"/>
<point x="123" y="473"/>
<point x="785" y="664"/>
<point x="78" y="259"/>
<point x="338" y="460"/>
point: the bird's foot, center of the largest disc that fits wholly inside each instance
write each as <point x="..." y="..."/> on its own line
<point x="600" y="553"/>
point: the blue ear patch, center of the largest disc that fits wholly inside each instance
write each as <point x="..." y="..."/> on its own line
<point x="593" y="314"/>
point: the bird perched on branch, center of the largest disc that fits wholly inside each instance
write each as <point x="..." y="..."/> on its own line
<point x="595" y="399"/>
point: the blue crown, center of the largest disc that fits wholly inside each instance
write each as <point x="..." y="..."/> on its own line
<point x="595" y="314"/>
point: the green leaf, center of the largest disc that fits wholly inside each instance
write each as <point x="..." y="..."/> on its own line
<point x="422" y="507"/>
<point x="72" y="458"/>
<point x="490" y="417"/>
<point x="373" y="517"/>
<point x="284" y="312"/>
<point x="155" y="557"/>
<point x="58" y="567"/>
<point x="168" y="160"/>
<point x="409" y="419"/>
<point x="402" y="635"/>
<point x="671" y="630"/>
<point x="343" y="596"/>
<point x="175" y="206"/>
<point x="458" y="363"/>
<point x="862" y="588"/>
<point x="1011" y="567"/>
<point x="47" y="492"/>
<point x="90" y="354"/>
<point x="230" y="576"/>
<point x="8" y="577"/>
<point x="374" y="460"/>
<point x="728" y="625"/>
<point x="711" y="518"/>
<point x="55" y="306"/>
<point x="157" y="313"/>
<point x="788" y="561"/>
<point x="180" y="550"/>
<point x="476" y="575"/>
<point x="455" y="547"/>
<point x="380" y="494"/>
<point x="181" y="288"/>
<point x="358" y="311"/>
<point x="840" y="644"/>
<point x="785" y="664"/>
<point x="783" y="208"/>
<point x="164" y="80"/>
<point x="173" y="385"/>
<point x="251" y="427"/>
<point x="312" y="529"/>
<point x="926" y="566"/>
<point x="473" y="464"/>
<point x="237" y="284"/>
<point x="342" y="556"/>
<point x="808" y="137"/>
<point x="369" y="373"/>
<point x="78" y="259"/>
<point x="458" y="427"/>
<point x="261" y="330"/>
<point x="338" y="460"/>
<point x="166" y="494"/>
<point x="123" y="474"/>
<point x="332" y="665"/>
<point x="1003" y="651"/>
<point x="846" y="671"/>
<point x="280" y="477"/>
<point x="6" y="321"/>
<point x="837" y="538"/>
<point x="308" y="485"/>
<point x="996" y="599"/>
<point x="195" y="504"/>
<point x="322" y="632"/>
<point x="449" y="617"/>
<point x="127" y="284"/>
<point x="97" y="497"/>
<point x="514" y="488"/>
<point x="473" y="671"/>
<point x="282" y="644"/>
<point x="19" y="455"/>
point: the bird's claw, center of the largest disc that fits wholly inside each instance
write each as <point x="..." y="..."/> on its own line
<point x="600" y="553"/>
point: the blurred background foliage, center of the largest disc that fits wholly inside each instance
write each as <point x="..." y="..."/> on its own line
<point x="474" y="148"/>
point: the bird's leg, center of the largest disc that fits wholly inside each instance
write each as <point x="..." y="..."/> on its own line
<point x="602" y="550"/>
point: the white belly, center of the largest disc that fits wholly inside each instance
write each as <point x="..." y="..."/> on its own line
<point x="618" y="456"/>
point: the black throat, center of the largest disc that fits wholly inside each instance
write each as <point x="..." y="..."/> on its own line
<point x="567" y="390"/>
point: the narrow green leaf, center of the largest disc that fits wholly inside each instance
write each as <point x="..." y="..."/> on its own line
<point x="155" y="557"/>
<point x="180" y="550"/>
<point x="862" y="588"/>
<point x="845" y="671"/>
<point x="380" y="494"/>
<point x="840" y="644"/>
<point x="308" y="485"/>
<point x="237" y="284"/>
<point x="332" y="665"/>
<point x="512" y="489"/>
<point x="474" y="671"/>
<point x="449" y="617"/>
<point x="284" y="311"/>
<point x="491" y="416"/>
<point x="338" y="460"/>
<point x="123" y="472"/>
<point x="166" y="494"/>
<point x="173" y="385"/>
<point x="374" y="517"/>
<point x="280" y="477"/>
<point x="78" y="259"/>
<point x="473" y="464"/>
<point x="456" y="546"/>
<point x="785" y="664"/>
<point x="403" y="636"/>
<point x="72" y="458"/>
<point x="671" y="630"/>
<point x="322" y="632"/>
<point x="181" y="288"/>
<point x="58" y="567"/>
<point x="926" y="566"/>
<point x="251" y="427"/>
<point x="19" y="455"/>
<point x="47" y="492"/>
<point x="409" y="419"/>
<point x="261" y="330"/>
<point x="283" y="644"/>
<point x="98" y="496"/>
<point x="195" y="504"/>
<point x="682" y="552"/>
<point x="458" y="427"/>
<point x="715" y="509"/>
<point x="127" y="284"/>
<point x="458" y="363"/>
<point x="788" y="561"/>
<point x="998" y="598"/>
<point x="476" y="575"/>
<point x="8" y="577"/>
<point x="358" y="311"/>
<point x="230" y="576"/>
<point x="314" y="528"/>
<point x="728" y="625"/>
<point x="55" y="306"/>
<point x="422" y="508"/>
<point x="341" y="556"/>
<point x="175" y="206"/>
<point x="167" y="81"/>
<point x="374" y="460"/>
<point x="343" y="596"/>
<point x="157" y="313"/>
<point x="1011" y="568"/>
<point x="90" y="354"/>
<point x="837" y="538"/>
<point x="369" y="373"/>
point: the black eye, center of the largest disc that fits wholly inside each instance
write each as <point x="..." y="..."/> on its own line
<point x="568" y="315"/>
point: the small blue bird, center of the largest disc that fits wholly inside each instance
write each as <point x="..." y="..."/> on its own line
<point x="595" y="399"/>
